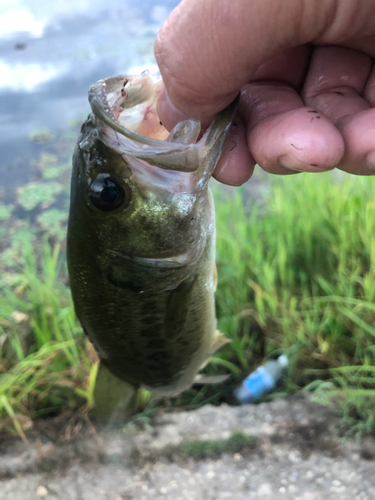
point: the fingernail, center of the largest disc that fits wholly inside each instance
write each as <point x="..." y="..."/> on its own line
<point x="370" y="160"/>
<point x="290" y="163"/>
<point x="168" y="113"/>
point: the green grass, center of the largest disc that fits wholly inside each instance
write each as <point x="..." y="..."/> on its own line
<point x="44" y="365"/>
<point x="296" y="275"/>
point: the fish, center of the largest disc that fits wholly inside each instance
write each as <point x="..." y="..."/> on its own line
<point x="141" y="237"/>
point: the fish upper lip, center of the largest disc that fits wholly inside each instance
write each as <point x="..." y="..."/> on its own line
<point x="177" y="261"/>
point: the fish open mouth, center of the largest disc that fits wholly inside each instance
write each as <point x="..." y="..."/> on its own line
<point x="125" y="106"/>
<point x="134" y="105"/>
<point x="131" y="101"/>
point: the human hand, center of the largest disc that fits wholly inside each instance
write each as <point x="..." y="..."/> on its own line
<point x="305" y="71"/>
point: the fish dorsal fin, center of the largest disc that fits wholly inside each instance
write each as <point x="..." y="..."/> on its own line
<point x="210" y="379"/>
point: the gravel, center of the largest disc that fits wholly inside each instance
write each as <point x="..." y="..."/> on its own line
<point x="295" y="454"/>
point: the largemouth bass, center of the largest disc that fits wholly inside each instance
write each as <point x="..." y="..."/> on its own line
<point x="141" y="236"/>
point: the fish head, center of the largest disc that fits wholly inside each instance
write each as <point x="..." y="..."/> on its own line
<point x="139" y="194"/>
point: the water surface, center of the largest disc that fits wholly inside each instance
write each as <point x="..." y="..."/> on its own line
<point x="50" y="52"/>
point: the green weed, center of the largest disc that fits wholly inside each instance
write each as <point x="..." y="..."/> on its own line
<point x="5" y="211"/>
<point x="36" y="193"/>
<point x="300" y="278"/>
<point x="44" y="365"/>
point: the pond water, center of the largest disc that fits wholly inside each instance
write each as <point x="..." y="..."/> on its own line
<point x="50" y="52"/>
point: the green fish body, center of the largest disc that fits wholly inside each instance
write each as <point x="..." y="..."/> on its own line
<point x="141" y="236"/>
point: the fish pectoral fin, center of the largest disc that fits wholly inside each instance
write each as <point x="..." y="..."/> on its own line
<point x="219" y="340"/>
<point x="210" y="379"/>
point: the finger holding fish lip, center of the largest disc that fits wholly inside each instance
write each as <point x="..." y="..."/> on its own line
<point x="279" y="133"/>
<point x="275" y="129"/>
<point x="236" y="164"/>
<point x="168" y="113"/>
<point x="206" y="51"/>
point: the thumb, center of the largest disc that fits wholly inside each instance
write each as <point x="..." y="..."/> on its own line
<point x="207" y="50"/>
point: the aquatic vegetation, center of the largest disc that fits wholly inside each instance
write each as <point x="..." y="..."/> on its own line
<point x="51" y="166"/>
<point x="37" y="193"/>
<point x="5" y="211"/>
<point x="53" y="223"/>
<point x="42" y="135"/>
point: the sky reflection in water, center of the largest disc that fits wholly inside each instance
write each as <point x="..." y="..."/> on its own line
<point x="50" y="52"/>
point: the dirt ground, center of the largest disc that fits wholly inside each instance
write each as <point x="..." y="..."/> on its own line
<point x="286" y="449"/>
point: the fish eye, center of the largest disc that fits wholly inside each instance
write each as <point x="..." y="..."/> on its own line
<point x="107" y="194"/>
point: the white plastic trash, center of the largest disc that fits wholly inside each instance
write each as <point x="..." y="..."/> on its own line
<point x="261" y="381"/>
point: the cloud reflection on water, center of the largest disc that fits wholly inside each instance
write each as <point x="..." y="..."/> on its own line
<point x="50" y="52"/>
